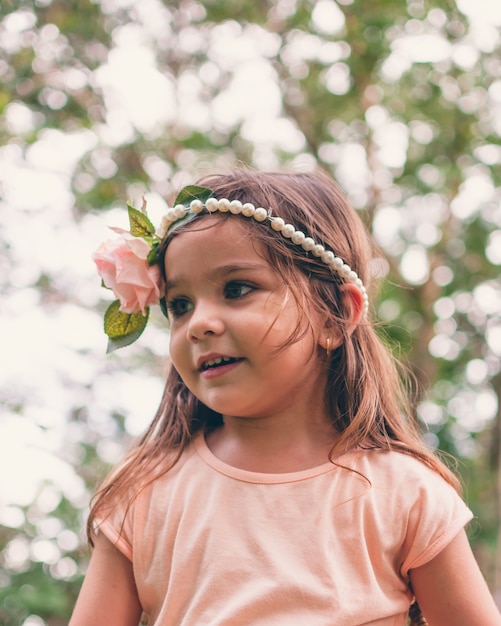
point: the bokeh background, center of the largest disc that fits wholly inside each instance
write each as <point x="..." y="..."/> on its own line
<point x="106" y="101"/>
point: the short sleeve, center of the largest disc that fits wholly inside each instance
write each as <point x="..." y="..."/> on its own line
<point x="436" y="515"/>
<point x="117" y="527"/>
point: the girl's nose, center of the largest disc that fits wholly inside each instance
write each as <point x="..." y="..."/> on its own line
<point x="204" y="322"/>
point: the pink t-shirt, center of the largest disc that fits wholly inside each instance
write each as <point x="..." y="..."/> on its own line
<point x="212" y="545"/>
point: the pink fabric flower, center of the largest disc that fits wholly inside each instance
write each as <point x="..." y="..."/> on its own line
<point x="123" y="266"/>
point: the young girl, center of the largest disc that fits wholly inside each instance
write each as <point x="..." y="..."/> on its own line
<point x="282" y="481"/>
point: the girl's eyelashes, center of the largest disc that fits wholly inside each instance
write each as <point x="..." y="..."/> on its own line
<point x="179" y="306"/>
<point x="237" y="289"/>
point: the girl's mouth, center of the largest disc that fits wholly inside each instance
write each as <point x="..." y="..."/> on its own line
<point x="218" y="362"/>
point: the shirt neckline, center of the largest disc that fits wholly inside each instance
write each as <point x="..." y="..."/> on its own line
<point x="204" y="452"/>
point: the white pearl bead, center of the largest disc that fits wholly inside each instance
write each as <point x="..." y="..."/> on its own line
<point x="308" y="244"/>
<point x="196" y="206"/>
<point x="179" y="210"/>
<point x="352" y="276"/>
<point x="337" y="263"/>
<point x="211" y="204"/>
<point x="298" y="237"/>
<point x="288" y="230"/>
<point x="317" y="250"/>
<point x="235" y="207"/>
<point x="277" y="223"/>
<point x="260" y="214"/>
<point x="223" y="205"/>
<point x="170" y="215"/>
<point x="345" y="271"/>
<point x="164" y="225"/>
<point x="248" y="209"/>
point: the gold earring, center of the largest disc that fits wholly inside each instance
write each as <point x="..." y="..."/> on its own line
<point x="328" y="347"/>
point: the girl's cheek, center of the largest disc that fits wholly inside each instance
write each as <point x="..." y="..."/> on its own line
<point x="173" y="346"/>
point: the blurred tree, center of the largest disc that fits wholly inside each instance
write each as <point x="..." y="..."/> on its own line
<point x="113" y="99"/>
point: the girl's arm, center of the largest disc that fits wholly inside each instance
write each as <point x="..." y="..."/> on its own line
<point x="450" y="589"/>
<point x="108" y="596"/>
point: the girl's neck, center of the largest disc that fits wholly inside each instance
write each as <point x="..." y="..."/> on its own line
<point x="272" y="446"/>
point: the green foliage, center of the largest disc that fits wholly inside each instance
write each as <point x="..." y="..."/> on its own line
<point x="34" y="587"/>
<point x="37" y="594"/>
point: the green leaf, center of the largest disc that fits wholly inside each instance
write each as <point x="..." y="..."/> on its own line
<point x="192" y="192"/>
<point x="153" y="257"/>
<point x="185" y="197"/>
<point x="123" y="328"/>
<point x="140" y="225"/>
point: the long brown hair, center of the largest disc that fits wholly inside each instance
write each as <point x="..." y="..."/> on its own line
<point x="366" y="398"/>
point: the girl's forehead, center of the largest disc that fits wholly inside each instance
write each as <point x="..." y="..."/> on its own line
<point x="209" y="229"/>
<point x="213" y="239"/>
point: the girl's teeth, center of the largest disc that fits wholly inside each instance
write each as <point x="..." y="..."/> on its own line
<point x="217" y="361"/>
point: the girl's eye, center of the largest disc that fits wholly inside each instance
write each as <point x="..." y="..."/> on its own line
<point x="237" y="290"/>
<point x="179" y="306"/>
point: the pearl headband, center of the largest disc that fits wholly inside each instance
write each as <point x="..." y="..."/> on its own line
<point x="181" y="214"/>
<point x="129" y="265"/>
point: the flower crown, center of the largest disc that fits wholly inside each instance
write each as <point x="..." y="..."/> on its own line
<point x="129" y="265"/>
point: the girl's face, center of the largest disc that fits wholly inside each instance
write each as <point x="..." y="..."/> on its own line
<point x="230" y="314"/>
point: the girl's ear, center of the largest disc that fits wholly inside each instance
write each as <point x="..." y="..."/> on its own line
<point x="353" y="304"/>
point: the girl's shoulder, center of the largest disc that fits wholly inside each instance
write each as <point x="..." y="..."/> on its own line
<point x="395" y="469"/>
<point x="407" y="497"/>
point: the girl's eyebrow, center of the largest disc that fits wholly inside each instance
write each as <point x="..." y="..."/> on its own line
<point x="222" y="271"/>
